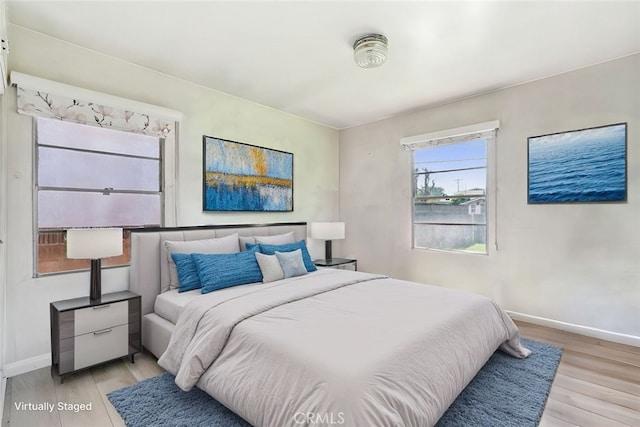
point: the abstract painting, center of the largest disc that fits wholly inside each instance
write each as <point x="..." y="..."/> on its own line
<point x="587" y="165"/>
<point x="243" y="177"/>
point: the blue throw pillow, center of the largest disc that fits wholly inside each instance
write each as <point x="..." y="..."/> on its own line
<point x="288" y="247"/>
<point x="225" y="270"/>
<point x="291" y="263"/>
<point x="188" y="278"/>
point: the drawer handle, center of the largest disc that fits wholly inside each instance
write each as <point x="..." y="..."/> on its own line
<point x="104" y="331"/>
<point x="101" y="306"/>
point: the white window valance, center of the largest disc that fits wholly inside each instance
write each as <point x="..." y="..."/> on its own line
<point x="45" y="98"/>
<point x="451" y="136"/>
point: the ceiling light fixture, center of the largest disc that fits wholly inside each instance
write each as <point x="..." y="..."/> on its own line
<point x="370" y="50"/>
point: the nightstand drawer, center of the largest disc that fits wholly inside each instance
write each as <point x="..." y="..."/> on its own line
<point x="100" y="317"/>
<point x="101" y="345"/>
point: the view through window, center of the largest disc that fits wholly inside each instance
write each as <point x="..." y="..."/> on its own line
<point x="88" y="176"/>
<point x="450" y="197"/>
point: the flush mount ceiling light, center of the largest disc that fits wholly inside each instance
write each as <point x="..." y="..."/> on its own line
<point x="370" y="50"/>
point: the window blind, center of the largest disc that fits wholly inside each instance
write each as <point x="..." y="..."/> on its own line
<point x="451" y="136"/>
<point x="45" y="98"/>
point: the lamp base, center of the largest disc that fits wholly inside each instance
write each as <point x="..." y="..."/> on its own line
<point x="95" y="293"/>
<point x="327" y="250"/>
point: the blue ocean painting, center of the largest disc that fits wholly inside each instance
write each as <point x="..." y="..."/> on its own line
<point x="243" y="177"/>
<point x="579" y="166"/>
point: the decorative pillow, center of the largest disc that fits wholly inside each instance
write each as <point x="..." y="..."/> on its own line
<point x="278" y="239"/>
<point x="222" y="245"/>
<point x="291" y="263"/>
<point x="244" y="240"/>
<point x="188" y="278"/>
<point x="288" y="247"/>
<point x="225" y="270"/>
<point x="270" y="267"/>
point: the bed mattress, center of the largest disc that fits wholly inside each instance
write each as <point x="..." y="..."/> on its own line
<point x="169" y="304"/>
<point x="363" y="349"/>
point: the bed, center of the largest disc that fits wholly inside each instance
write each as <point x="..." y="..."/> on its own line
<point x="324" y="348"/>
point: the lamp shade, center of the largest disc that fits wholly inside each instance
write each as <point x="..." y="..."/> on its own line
<point x="94" y="243"/>
<point x="327" y="230"/>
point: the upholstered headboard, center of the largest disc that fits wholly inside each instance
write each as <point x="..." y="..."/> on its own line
<point x="149" y="272"/>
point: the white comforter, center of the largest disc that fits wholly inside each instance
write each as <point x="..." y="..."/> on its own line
<point x="337" y="347"/>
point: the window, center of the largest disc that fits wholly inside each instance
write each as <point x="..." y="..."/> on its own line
<point x="88" y="176"/>
<point x="450" y="192"/>
<point x="450" y="197"/>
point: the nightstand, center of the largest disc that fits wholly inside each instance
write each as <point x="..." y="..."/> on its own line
<point x="336" y="263"/>
<point x="85" y="333"/>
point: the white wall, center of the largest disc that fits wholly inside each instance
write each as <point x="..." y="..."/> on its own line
<point x="574" y="263"/>
<point x="315" y="149"/>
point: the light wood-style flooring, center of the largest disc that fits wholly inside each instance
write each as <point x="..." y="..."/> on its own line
<point x="597" y="384"/>
<point x="91" y="385"/>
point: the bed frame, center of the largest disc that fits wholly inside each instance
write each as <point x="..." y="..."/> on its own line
<point x="149" y="272"/>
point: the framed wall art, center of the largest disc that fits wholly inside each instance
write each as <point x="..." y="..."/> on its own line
<point x="586" y="165"/>
<point x="244" y="177"/>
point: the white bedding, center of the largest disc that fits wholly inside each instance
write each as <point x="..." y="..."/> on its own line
<point x="339" y="345"/>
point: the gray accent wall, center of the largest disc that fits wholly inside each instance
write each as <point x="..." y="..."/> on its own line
<point x="572" y="264"/>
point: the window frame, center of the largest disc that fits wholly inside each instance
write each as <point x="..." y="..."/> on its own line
<point x="162" y="170"/>
<point x="485" y="130"/>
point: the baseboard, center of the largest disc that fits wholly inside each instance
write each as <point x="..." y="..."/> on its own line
<point x="27" y="365"/>
<point x="577" y="329"/>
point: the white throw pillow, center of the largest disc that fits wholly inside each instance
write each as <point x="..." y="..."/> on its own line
<point x="278" y="239"/>
<point x="270" y="267"/>
<point x="244" y="240"/>
<point x="222" y="245"/>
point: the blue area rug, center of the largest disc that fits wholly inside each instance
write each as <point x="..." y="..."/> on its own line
<point x="507" y="392"/>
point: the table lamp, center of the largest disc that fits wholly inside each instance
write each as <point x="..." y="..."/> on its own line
<point x="327" y="231"/>
<point x="94" y="244"/>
